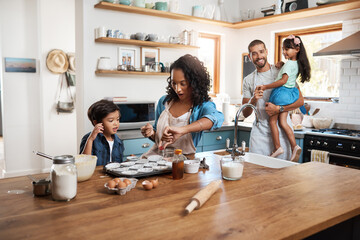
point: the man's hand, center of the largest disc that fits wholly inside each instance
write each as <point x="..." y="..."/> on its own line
<point x="99" y="128"/>
<point x="279" y="65"/>
<point x="147" y="130"/>
<point x="170" y="135"/>
<point x="261" y="88"/>
<point x="271" y="109"/>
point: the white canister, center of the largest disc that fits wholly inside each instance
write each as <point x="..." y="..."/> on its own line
<point x="63" y="178"/>
<point x="193" y="38"/>
<point x="139" y="3"/>
<point x="101" y="32"/>
<point x="174" y="6"/>
<point x="104" y="63"/>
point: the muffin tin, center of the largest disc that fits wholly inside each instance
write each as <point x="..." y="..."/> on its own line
<point x="122" y="191"/>
<point x="139" y="168"/>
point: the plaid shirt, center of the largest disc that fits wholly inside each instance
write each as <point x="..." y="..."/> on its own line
<point x="101" y="149"/>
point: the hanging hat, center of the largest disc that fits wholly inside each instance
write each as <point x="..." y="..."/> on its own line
<point x="71" y="57"/>
<point x="57" y="61"/>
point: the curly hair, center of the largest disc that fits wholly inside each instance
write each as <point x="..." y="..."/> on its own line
<point x="100" y="109"/>
<point x="196" y="74"/>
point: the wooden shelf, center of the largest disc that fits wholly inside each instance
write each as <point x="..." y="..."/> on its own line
<point x="303" y="13"/>
<point x="130" y="72"/>
<point x="142" y="43"/>
<point x="157" y="13"/>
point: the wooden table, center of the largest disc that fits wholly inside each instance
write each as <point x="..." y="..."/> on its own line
<point x="288" y="203"/>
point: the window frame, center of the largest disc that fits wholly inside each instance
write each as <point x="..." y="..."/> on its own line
<point x="216" y="78"/>
<point x="279" y="37"/>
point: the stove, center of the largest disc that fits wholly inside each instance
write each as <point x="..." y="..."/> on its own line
<point x="343" y="145"/>
<point x="342" y="132"/>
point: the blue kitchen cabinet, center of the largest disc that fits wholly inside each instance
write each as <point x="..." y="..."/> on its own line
<point x="216" y="139"/>
<point x="137" y="146"/>
<point x="300" y="142"/>
<point x="243" y="136"/>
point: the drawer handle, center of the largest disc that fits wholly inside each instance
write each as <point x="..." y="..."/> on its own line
<point x="218" y="138"/>
<point x="145" y="145"/>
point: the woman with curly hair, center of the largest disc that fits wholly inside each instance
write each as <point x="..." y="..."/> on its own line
<point x="186" y="111"/>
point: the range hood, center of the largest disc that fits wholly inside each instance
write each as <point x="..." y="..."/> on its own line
<point x="347" y="46"/>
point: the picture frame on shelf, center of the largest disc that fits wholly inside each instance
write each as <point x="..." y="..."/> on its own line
<point x="126" y="56"/>
<point x="149" y="56"/>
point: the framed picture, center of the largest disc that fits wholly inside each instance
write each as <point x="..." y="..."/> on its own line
<point x="20" y="65"/>
<point x="149" y="56"/>
<point x="246" y="68"/>
<point x="126" y="56"/>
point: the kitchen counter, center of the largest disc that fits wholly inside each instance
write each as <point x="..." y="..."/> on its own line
<point x="242" y="126"/>
<point x="288" y="203"/>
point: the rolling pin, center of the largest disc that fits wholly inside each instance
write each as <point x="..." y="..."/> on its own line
<point x="202" y="196"/>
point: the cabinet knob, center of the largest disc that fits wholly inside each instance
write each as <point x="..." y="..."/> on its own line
<point x="218" y="138"/>
<point x="145" y="145"/>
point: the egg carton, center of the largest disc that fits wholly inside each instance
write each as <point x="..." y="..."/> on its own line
<point x="122" y="191"/>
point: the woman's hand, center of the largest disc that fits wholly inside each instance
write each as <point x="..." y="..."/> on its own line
<point x="99" y="128"/>
<point x="147" y="130"/>
<point x="170" y="135"/>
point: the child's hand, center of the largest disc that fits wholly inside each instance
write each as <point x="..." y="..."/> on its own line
<point x="279" y="65"/>
<point x="147" y="130"/>
<point x="99" y="128"/>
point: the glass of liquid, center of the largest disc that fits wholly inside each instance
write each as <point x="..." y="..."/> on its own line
<point x="232" y="169"/>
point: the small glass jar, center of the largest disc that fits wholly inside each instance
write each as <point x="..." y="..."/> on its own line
<point x="63" y="178"/>
<point x="232" y="169"/>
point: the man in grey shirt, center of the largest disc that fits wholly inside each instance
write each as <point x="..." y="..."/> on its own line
<point x="260" y="137"/>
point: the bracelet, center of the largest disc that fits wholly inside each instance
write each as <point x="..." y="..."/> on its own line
<point x="201" y="127"/>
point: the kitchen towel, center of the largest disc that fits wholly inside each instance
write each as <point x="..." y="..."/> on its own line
<point x="319" y="156"/>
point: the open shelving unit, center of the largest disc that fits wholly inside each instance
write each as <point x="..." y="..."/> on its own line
<point x="303" y="13"/>
<point x="131" y="72"/>
<point x="142" y="43"/>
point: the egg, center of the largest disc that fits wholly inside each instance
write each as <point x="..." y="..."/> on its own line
<point x="111" y="184"/>
<point x="117" y="180"/>
<point x="147" y="185"/>
<point x="127" y="181"/>
<point x="121" y="184"/>
<point x="155" y="183"/>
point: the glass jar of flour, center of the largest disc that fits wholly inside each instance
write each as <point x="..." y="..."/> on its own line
<point x="63" y="178"/>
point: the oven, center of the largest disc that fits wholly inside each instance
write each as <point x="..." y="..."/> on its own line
<point x="343" y="146"/>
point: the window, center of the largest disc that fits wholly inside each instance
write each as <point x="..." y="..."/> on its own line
<point x="325" y="72"/>
<point x="209" y="54"/>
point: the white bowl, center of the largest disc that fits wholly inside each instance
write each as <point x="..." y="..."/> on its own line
<point x="320" y="123"/>
<point x="191" y="166"/>
<point x="85" y="165"/>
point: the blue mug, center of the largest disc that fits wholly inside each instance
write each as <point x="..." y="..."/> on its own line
<point x="162" y="6"/>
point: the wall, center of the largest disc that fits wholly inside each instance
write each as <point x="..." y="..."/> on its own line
<point x="94" y="87"/>
<point x="29" y="29"/>
<point x="348" y="109"/>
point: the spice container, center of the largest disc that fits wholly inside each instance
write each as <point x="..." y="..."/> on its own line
<point x="63" y="178"/>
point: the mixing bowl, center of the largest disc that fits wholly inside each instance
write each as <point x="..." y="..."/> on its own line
<point x="85" y="165"/>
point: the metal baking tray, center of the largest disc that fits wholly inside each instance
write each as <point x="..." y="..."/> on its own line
<point x="138" y="168"/>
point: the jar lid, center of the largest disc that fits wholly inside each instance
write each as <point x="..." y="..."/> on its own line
<point x="178" y="151"/>
<point x="63" y="159"/>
